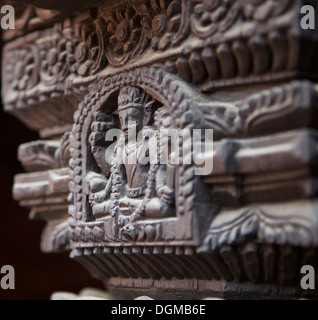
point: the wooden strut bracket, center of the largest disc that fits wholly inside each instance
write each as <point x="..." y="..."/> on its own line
<point x="244" y="69"/>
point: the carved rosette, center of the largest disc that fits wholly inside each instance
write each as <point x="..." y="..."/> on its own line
<point x="131" y="31"/>
<point x="214" y="64"/>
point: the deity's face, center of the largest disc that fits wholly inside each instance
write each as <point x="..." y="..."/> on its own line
<point x="131" y="121"/>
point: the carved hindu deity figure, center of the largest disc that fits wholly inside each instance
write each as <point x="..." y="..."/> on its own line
<point x="140" y="184"/>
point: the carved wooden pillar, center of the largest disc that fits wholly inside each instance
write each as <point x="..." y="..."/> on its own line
<point x="245" y="69"/>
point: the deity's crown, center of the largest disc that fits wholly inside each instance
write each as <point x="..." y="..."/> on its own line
<point x="132" y="97"/>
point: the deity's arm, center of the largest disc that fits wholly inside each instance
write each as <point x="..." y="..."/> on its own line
<point x="165" y="183"/>
<point x="165" y="175"/>
<point x="162" y="205"/>
<point x="161" y="176"/>
<point x="119" y="165"/>
<point x="99" y="155"/>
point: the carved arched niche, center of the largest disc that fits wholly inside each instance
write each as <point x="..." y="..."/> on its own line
<point x="103" y="214"/>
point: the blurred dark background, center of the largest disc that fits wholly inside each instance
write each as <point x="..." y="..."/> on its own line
<point x="37" y="275"/>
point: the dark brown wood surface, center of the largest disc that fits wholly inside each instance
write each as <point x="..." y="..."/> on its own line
<point x="244" y="69"/>
<point x="38" y="275"/>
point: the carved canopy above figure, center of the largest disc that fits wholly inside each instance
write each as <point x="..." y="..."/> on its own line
<point x="244" y="69"/>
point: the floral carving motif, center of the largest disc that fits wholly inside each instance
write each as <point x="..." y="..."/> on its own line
<point x="127" y="35"/>
<point x="73" y="49"/>
<point x="21" y="68"/>
<point x="211" y="16"/>
<point x="131" y="30"/>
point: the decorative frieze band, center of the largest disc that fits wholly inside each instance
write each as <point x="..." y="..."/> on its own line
<point x="210" y="44"/>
